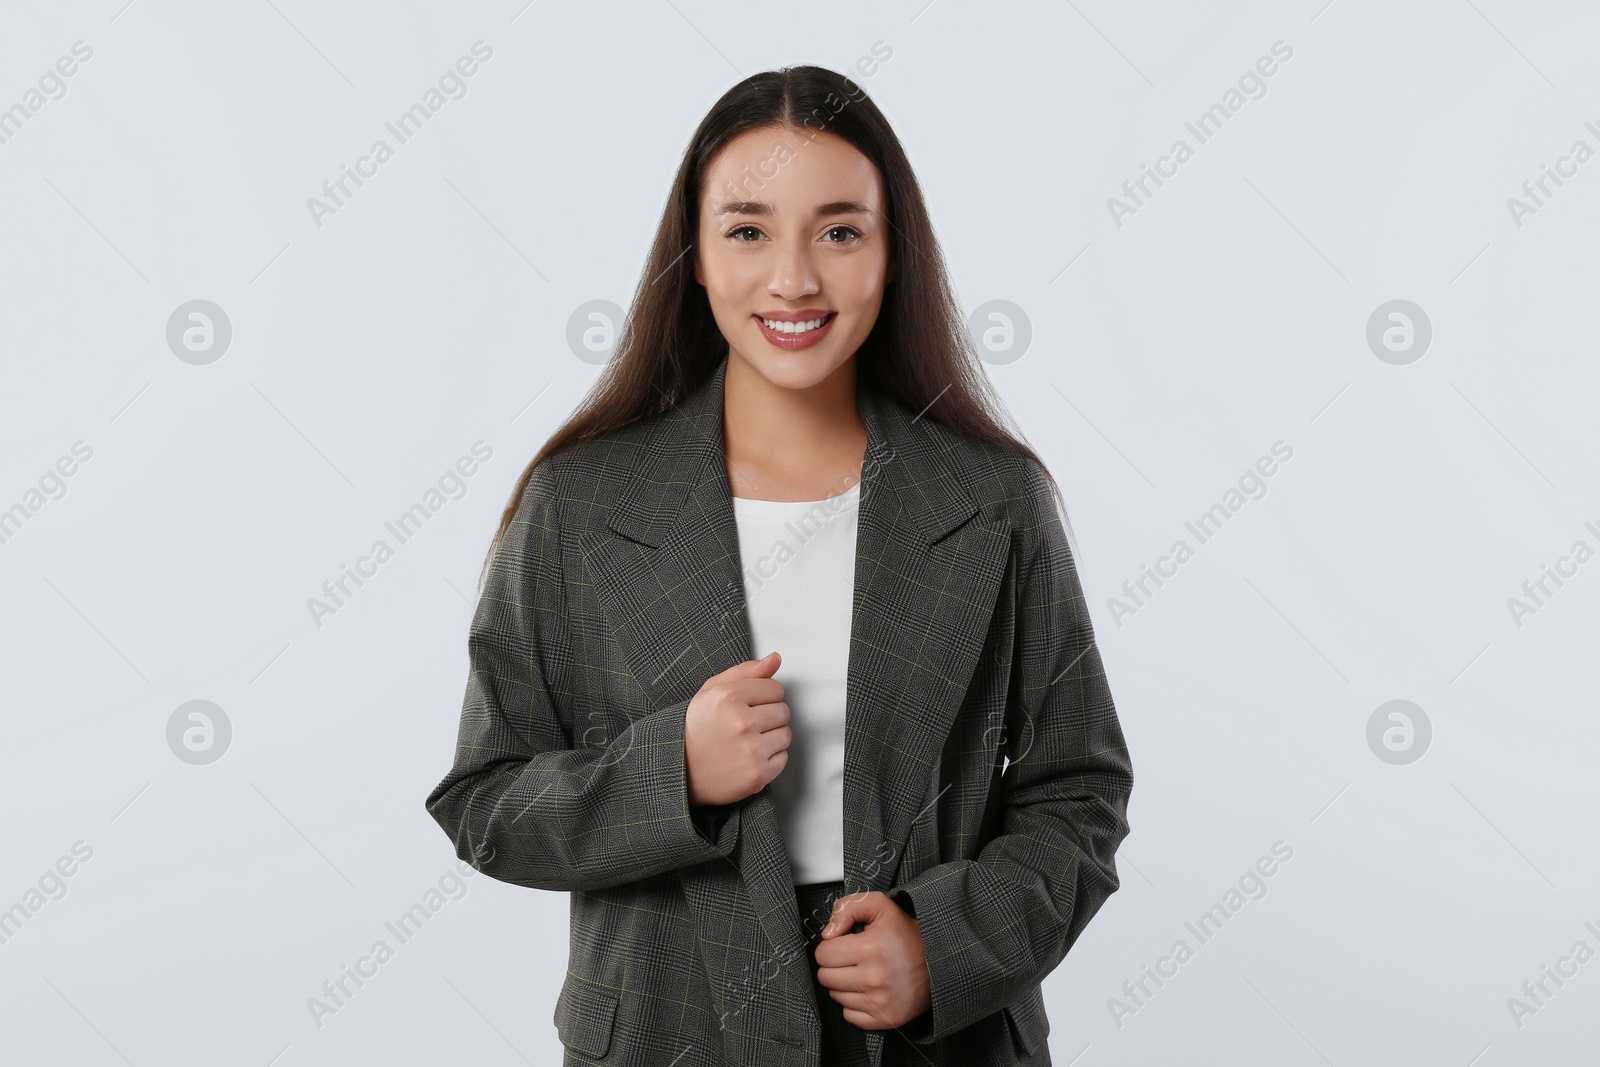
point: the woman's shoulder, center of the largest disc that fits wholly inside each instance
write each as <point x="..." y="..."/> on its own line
<point x="1019" y="490"/>
<point x="1003" y="480"/>
<point x="583" y="478"/>
<point x="1006" y="483"/>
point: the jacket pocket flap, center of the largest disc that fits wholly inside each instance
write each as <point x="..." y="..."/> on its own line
<point x="583" y="1017"/>
<point x="1029" y="1023"/>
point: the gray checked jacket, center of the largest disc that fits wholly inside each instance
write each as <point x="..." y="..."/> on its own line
<point x="986" y="779"/>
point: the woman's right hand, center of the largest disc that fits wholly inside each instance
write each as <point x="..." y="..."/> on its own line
<point x="736" y="732"/>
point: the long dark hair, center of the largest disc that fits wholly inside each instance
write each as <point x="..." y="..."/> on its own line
<point x="918" y="351"/>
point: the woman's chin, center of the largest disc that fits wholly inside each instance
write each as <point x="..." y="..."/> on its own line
<point x="794" y="370"/>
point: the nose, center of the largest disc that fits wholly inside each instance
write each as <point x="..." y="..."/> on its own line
<point x="793" y="274"/>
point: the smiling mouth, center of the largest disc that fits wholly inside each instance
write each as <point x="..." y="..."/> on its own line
<point x="796" y="329"/>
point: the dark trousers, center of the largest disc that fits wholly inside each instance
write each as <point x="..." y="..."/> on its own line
<point x="843" y="1043"/>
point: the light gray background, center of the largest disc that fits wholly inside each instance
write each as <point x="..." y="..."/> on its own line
<point x="1167" y="355"/>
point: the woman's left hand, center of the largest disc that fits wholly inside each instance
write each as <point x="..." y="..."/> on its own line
<point x="879" y="976"/>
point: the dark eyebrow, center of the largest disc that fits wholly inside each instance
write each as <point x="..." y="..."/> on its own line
<point x="761" y="207"/>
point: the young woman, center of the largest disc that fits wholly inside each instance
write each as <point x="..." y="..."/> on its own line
<point x="872" y="843"/>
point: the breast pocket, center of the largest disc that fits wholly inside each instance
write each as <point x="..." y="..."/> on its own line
<point x="584" y="1017"/>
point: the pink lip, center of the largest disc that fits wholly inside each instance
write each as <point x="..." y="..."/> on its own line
<point x="794" y="341"/>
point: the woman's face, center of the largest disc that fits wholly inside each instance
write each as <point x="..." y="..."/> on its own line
<point x="792" y="229"/>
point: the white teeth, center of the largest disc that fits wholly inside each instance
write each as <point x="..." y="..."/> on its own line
<point x="794" y="327"/>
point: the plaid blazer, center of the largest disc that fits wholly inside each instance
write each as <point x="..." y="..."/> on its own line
<point x="986" y="778"/>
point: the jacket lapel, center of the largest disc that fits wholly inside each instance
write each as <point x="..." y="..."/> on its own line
<point x="669" y="574"/>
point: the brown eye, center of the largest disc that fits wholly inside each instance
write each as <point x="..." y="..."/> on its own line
<point x="741" y="229"/>
<point x="850" y="231"/>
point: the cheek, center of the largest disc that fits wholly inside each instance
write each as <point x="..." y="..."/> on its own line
<point x="727" y="277"/>
<point x="859" y="283"/>
<point x="724" y="289"/>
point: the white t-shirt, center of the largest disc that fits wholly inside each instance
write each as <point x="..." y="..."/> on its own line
<point x="799" y="577"/>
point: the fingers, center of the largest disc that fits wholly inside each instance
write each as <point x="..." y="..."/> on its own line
<point x="872" y="998"/>
<point x="866" y="1020"/>
<point x="769" y="715"/>
<point x="853" y="1001"/>
<point x="756" y="692"/>
<point x="856" y="907"/>
<point x="866" y="1011"/>
<point x="775" y="741"/>
<point x="846" y="979"/>
<point x="754" y="668"/>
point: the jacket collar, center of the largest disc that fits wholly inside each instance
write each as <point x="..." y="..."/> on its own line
<point x="907" y="455"/>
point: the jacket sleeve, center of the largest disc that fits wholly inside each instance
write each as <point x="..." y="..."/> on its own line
<point x="536" y="796"/>
<point x="993" y="927"/>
